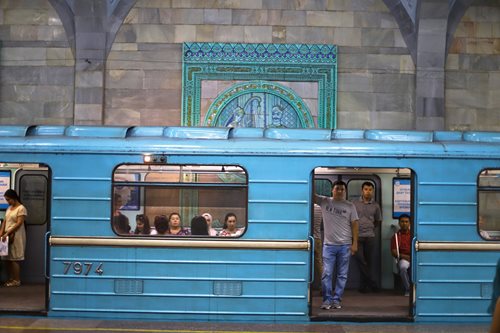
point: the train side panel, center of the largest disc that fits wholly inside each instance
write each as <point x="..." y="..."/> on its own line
<point x="184" y="284"/>
<point x="177" y="282"/>
<point x="451" y="285"/>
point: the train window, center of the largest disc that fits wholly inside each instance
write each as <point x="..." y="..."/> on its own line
<point x="489" y="204"/>
<point x="33" y="190"/>
<point x="323" y="187"/>
<point x="145" y="196"/>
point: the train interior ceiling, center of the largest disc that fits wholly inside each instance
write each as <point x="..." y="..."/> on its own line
<point x="32" y="181"/>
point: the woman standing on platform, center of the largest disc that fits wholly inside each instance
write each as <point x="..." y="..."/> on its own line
<point x="13" y="229"/>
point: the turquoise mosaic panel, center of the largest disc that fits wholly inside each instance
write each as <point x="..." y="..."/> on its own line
<point x="259" y="63"/>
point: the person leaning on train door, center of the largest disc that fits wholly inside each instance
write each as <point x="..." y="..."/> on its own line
<point x="13" y="228"/>
<point x="401" y="250"/>
<point x="340" y="223"/>
<point x="370" y="217"/>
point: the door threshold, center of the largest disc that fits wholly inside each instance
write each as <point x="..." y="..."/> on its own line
<point x="361" y="318"/>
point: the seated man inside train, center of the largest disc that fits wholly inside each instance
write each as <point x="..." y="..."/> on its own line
<point x="401" y="250"/>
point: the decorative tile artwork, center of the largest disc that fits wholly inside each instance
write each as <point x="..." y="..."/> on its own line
<point x="259" y="85"/>
<point x="259" y="104"/>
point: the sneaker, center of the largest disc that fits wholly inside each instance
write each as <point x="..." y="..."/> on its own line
<point x="12" y="283"/>
<point x="326" y="305"/>
<point x="336" y="305"/>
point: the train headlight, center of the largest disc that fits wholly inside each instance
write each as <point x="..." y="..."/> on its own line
<point x="155" y="158"/>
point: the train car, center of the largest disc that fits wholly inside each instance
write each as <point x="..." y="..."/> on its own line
<point x="92" y="191"/>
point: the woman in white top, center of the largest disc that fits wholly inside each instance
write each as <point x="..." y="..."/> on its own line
<point x="13" y="229"/>
<point x="208" y="218"/>
<point x="230" y="229"/>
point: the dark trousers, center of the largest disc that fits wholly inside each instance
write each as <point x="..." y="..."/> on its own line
<point x="364" y="258"/>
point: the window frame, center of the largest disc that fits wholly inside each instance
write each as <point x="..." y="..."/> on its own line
<point x="485" y="234"/>
<point x="141" y="183"/>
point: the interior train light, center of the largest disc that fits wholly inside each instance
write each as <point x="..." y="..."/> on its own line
<point x="155" y="158"/>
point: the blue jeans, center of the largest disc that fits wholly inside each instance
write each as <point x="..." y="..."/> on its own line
<point x="335" y="256"/>
<point x="403" y="267"/>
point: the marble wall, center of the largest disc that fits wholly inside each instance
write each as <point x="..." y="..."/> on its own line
<point x="36" y="65"/>
<point x="142" y="76"/>
<point x="473" y="71"/>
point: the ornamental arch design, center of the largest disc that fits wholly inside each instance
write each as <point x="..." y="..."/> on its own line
<point x="259" y="104"/>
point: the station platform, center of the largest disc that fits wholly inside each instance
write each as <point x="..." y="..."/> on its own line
<point x="11" y="324"/>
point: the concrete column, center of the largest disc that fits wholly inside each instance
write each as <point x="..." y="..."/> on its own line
<point x="431" y="58"/>
<point x="91" y="27"/>
<point x="428" y="27"/>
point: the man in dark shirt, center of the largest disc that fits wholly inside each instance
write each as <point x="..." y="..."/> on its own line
<point x="401" y="250"/>
<point x="370" y="217"/>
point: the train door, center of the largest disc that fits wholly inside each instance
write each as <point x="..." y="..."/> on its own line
<point x="387" y="301"/>
<point x="31" y="182"/>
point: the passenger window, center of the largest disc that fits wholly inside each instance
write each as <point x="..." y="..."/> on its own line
<point x="168" y="200"/>
<point x="488" y="219"/>
<point x="323" y="187"/>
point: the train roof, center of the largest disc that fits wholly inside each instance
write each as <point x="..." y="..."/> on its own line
<point x="212" y="140"/>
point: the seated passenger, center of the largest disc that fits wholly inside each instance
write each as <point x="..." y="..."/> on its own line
<point x="142" y="226"/>
<point x="120" y="222"/>
<point x="161" y="225"/>
<point x="483" y="225"/>
<point x="209" y="219"/>
<point x="175" y="227"/>
<point x="230" y="226"/>
<point x="199" y="226"/>
<point x="401" y="250"/>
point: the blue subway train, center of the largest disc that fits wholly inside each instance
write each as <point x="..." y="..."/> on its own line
<point x="98" y="199"/>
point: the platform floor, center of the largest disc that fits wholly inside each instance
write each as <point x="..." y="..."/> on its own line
<point x="22" y="310"/>
<point x="45" y="325"/>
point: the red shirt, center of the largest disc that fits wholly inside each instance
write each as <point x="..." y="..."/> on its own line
<point x="404" y="242"/>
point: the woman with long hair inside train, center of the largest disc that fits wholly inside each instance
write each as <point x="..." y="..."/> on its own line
<point x="13" y="229"/>
<point x="230" y="228"/>
<point x="142" y="226"/>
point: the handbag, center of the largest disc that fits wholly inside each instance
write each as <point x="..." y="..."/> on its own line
<point x="4" y="247"/>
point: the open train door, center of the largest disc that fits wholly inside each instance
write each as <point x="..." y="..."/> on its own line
<point x="387" y="302"/>
<point x="31" y="182"/>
